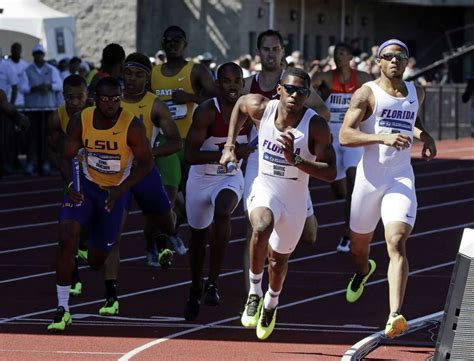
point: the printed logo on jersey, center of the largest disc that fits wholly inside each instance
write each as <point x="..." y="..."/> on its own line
<point x="397" y="119"/>
<point x="275" y="163"/>
<point x="166" y="92"/>
<point x="101" y="145"/>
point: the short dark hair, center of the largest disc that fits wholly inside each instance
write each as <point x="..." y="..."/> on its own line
<point x="112" y="54"/>
<point x="75" y="59"/>
<point x="269" y="32"/>
<point x="300" y="73"/>
<point x="230" y="64"/>
<point x="74" y="80"/>
<point x="140" y="59"/>
<point x="175" y="28"/>
<point x="107" y="82"/>
<point x="344" y="46"/>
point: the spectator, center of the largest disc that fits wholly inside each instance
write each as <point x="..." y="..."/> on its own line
<point x="18" y="65"/>
<point x="44" y="81"/>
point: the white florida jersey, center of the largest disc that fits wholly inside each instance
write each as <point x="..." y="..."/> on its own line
<point x="391" y="115"/>
<point x="274" y="171"/>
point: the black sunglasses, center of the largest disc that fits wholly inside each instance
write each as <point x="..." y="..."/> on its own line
<point x="390" y="56"/>
<point x="172" y="39"/>
<point x="290" y="89"/>
<point x="109" y="98"/>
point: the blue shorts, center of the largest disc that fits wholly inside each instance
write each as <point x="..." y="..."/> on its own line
<point x="103" y="227"/>
<point x="150" y="194"/>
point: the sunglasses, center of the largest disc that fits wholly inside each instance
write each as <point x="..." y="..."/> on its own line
<point x="290" y="89"/>
<point x="174" y="39"/>
<point x="390" y="56"/>
<point x="109" y="98"/>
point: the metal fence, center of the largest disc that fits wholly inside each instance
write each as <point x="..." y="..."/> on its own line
<point x="444" y="114"/>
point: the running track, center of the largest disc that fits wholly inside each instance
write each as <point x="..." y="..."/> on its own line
<point x="314" y="321"/>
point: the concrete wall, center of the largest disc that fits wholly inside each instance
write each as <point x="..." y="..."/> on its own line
<point x="100" y="22"/>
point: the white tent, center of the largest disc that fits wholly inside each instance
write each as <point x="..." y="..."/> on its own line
<point x="30" y="21"/>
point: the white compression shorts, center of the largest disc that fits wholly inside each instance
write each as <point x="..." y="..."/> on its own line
<point x="346" y="157"/>
<point x="382" y="192"/>
<point x="251" y="172"/>
<point x="288" y="217"/>
<point x="201" y="194"/>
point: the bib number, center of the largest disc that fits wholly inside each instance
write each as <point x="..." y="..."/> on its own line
<point x="104" y="163"/>
<point x="178" y="111"/>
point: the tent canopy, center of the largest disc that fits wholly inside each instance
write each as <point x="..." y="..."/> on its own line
<point x="56" y="30"/>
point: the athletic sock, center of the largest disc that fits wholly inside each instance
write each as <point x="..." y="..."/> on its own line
<point x="63" y="296"/>
<point x="110" y="289"/>
<point x="255" y="284"/>
<point x="271" y="299"/>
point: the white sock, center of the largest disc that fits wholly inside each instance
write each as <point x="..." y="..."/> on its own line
<point x="271" y="299"/>
<point x="63" y="296"/>
<point x="255" y="284"/>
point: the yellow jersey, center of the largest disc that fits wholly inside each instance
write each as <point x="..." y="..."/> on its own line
<point x="163" y="87"/>
<point x="142" y="110"/>
<point x="63" y="118"/>
<point x="108" y="158"/>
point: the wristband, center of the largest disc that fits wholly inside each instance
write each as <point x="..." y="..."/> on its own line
<point x="229" y="146"/>
<point x="69" y="185"/>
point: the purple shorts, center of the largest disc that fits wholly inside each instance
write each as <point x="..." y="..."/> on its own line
<point x="150" y="194"/>
<point x="103" y="227"/>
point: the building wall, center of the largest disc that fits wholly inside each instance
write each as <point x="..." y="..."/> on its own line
<point x="100" y="22"/>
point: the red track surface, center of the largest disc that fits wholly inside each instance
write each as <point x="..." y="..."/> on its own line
<point x="314" y="321"/>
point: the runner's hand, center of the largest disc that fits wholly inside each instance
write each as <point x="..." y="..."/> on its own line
<point x="114" y="194"/>
<point x="397" y="140"/>
<point x="429" y="145"/>
<point x="228" y="155"/>
<point x="287" y="141"/>
<point x="76" y="197"/>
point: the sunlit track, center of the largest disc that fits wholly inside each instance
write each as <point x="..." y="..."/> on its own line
<point x="239" y="240"/>
<point x="134" y="352"/>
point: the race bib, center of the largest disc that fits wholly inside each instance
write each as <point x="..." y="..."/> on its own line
<point x="338" y="106"/>
<point x="275" y="166"/>
<point x="104" y="163"/>
<point x="178" y="111"/>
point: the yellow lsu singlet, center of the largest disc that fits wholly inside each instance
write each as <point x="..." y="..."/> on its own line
<point x="142" y="110"/>
<point x="107" y="159"/>
<point x="63" y="118"/>
<point x="163" y="86"/>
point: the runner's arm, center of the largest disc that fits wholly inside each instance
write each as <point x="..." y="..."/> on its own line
<point x="143" y="158"/>
<point x="161" y="118"/>
<point x="203" y="117"/>
<point x="420" y="133"/>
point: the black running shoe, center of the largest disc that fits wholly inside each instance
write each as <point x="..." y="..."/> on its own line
<point x="193" y="304"/>
<point x="211" y="298"/>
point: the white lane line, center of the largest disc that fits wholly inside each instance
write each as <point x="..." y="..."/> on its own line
<point x="41" y="206"/>
<point x="184" y="283"/>
<point x="317" y="204"/>
<point x="27" y="193"/>
<point x="63" y="352"/>
<point x="148" y="345"/>
<point x="329" y="225"/>
<point x="417" y="175"/>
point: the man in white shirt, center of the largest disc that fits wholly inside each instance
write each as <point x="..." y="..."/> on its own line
<point x="40" y="99"/>
<point x="18" y="65"/>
